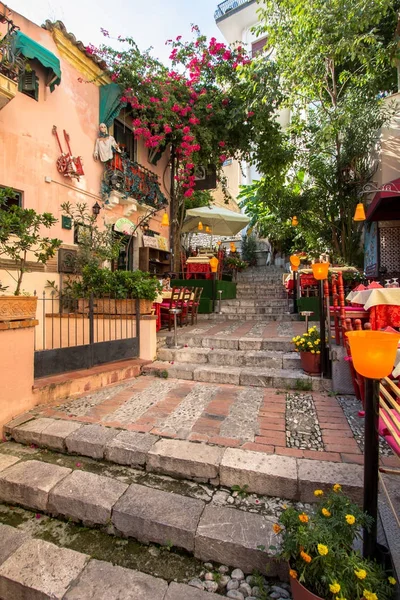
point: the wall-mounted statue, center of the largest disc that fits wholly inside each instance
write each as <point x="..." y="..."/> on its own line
<point x="105" y="144"/>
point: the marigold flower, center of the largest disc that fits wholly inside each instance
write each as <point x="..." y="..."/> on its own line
<point x="277" y="528"/>
<point x="322" y="549"/>
<point x="326" y="512"/>
<point x="361" y="573"/>
<point x="392" y="581"/>
<point x="334" y="587"/>
<point x="293" y="573"/>
<point x="337" y="487"/>
<point x="369" y="595"/>
<point x="350" y="519"/>
<point x="318" y="493"/>
<point x="306" y="557"/>
<point x="303" y="518"/>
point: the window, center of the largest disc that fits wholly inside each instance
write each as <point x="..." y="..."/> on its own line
<point x="258" y="46"/>
<point x="29" y="84"/>
<point x="124" y="137"/>
<point x="14" y="199"/>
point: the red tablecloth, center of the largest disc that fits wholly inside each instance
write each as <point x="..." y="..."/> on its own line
<point x="306" y="279"/>
<point x="384" y="315"/>
<point x="194" y="269"/>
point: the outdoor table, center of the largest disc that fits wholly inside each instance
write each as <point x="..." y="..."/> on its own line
<point x="383" y="305"/>
<point x="193" y="269"/>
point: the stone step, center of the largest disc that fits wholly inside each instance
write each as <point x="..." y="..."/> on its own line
<point x="248" y="317"/>
<point x="254" y="310"/>
<point x="251" y="302"/>
<point x="31" y="567"/>
<point x="238" y="358"/>
<point x="248" y="376"/>
<point x="231" y="343"/>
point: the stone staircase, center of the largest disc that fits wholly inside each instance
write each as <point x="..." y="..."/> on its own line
<point x="58" y="475"/>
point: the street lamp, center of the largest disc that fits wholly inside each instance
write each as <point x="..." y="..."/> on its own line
<point x="214" y="267"/>
<point x="373" y="354"/>
<point x="320" y="272"/>
<point x="294" y="263"/>
<point x="96" y="208"/>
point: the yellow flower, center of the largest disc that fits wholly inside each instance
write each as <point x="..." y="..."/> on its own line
<point x="277" y="528"/>
<point x="306" y="557"/>
<point x="340" y="598"/>
<point x="350" y="519"/>
<point x="284" y="506"/>
<point x="312" y="351"/>
<point x="303" y="518"/>
<point x="293" y="573"/>
<point x="326" y="512"/>
<point x="337" y="487"/>
<point x="318" y="493"/>
<point x="317" y="341"/>
<point x="369" y="595"/>
<point x="334" y="587"/>
<point x="361" y="573"/>
<point x="392" y="581"/>
<point x="322" y="549"/>
<point x="318" y="352"/>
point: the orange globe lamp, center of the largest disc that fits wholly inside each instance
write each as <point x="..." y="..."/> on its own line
<point x="200" y="226"/>
<point x="295" y="221"/>
<point x="294" y="262"/>
<point x="320" y="270"/>
<point x="208" y="229"/>
<point x="373" y="352"/>
<point x="214" y="264"/>
<point x="165" y="220"/>
<point x="359" y="215"/>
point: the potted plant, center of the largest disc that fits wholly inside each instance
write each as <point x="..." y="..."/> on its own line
<point x="318" y="547"/>
<point x="21" y="243"/>
<point x="309" y="347"/>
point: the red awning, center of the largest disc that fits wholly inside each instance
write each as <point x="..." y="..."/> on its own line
<point x="386" y="204"/>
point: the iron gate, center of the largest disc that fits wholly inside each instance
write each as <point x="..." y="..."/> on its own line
<point x="80" y="334"/>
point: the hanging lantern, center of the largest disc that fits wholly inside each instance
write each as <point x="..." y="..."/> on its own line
<point x="208" y="229"/>
<point x="294" y="262"/>
<point x="373" y="352"/>
<point x="295" y="221"/>
<point x="219" y="243"/>
<point x="200" y="226"/>
<point x="320" y="270"/>
<point x="232" y="247"/>
<point x="165" y="220"/>
<point x="214" y="264"/>
<point x="359" y="215"/>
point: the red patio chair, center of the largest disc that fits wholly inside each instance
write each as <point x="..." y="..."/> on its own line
<point x="175" y="301"/>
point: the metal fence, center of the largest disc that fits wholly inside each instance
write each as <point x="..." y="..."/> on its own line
<point x="81" y="333"/>
<point x="229" y="5"/>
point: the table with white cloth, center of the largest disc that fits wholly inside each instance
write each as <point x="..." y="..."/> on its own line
<point x="383" y="305"/>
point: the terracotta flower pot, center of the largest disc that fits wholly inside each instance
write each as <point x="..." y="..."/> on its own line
<point x="310" y="363"/>
<point x="299" y="592"/>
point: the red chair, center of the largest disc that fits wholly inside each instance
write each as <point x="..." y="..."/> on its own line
<point x="186" y="300"/>
<point x="175" y="301"/>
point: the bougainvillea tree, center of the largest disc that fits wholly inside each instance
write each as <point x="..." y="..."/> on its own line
<point x="212" y="103"/>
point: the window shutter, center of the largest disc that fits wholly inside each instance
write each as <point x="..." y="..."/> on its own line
<point x="258" y="46"/>
<point x="29" y="84"/>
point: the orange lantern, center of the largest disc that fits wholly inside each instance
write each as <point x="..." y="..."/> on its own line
<point x="359" y="215"/>
<point x="214" y="264"/>
<point x="320" y="270"/>
<point x="219" y="243"/>
<point x="208" y="229"/>
<point x="373" y="352"/>
<point x="200" y="226"/>
<point x="295" y="221"/>
<point x="165" y="220"/>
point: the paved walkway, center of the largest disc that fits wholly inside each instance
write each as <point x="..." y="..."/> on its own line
<point x="283" y="330"/>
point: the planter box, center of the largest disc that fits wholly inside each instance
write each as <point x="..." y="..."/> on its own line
<point x="17" y="308"/>
<point x="8" y="89"/>
<point x="299" y="592"/>
<point x="111" y="306"/>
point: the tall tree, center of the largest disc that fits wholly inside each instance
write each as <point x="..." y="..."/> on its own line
<point x="334" y="59"/>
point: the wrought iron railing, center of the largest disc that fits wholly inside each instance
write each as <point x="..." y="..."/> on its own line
<point x="11" y="64"/>
<point x="227" y="6"/>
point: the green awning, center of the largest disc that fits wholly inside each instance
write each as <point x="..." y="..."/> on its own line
<point x="110" y="103"/>
<point x="22" y="44"/>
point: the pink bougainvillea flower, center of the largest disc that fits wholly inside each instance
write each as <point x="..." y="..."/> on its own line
<point x="250" y="113"/>
<point x="209" y="106"/>
<point x="78" y="464"/>
<point x="189" y="193"/>
<point x="222" y="158"/>
<point x="221" y="144"/>
<point x="38" y="516"/>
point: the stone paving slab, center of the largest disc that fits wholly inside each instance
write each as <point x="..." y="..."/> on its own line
<point x="151" y="515"/>
<point x="39" y="570"/>
<point x="29" y="483"/>
<point x="103" y="581"/>
<point x="50" y="433"/>
<point x="11" y="539"/>
<point x="233" y="537"/>
<point x="185" y="459"/>
<point x="130" y="448"/>
<point x="30" y="432"/>
<point x="323" y="475"/>
<point x="90" y="440"/>
<point x="7" y="460"/>
<point x="17" y="421"/>
<point x="268" y="474"/>
<point x="180" y="591"/>
<point x="86" y="497"/>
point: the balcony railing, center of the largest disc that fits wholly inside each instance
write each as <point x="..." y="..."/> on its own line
<point x="227" y="6"/>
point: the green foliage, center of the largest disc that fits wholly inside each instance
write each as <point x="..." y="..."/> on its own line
<point x="21" y="239"/>
<point x="303" y="385"/>
<point x="308" y="342"/>
<point x="235" y="264"/>
<point x="319" y="548"/>
<point x="248" y="249"/>
<point x="241" y="490"/>
<point x="163" y="374"/>
<point x="3" y="288"/>
<point x="95" y="245"/>
<point x="118" y="284"/>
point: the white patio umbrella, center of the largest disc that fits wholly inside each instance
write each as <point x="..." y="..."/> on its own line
<point x="220" y="220"/>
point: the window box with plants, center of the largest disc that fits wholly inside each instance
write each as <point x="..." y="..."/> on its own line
<point x="319" y="548"/>
<point x="21" y="243"/>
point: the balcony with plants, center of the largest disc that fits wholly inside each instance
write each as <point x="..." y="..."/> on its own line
<point x="11" y="65"/>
